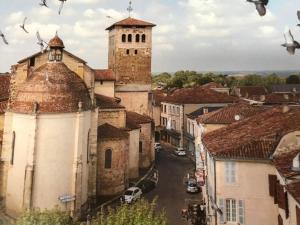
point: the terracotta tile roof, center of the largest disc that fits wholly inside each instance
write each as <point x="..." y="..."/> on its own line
<point x="104" y="102"/>
<point x="138" y="118"/>
<point x="249" y="91"/>
<point x="198" y="95"/>
<point x="104" y="75"/>
<point x="200" y="112"/>
<point x="131" y="123"/>
<point x="132" y="23"/>
<point x="285" y="88"/>
<point x="107" y="131"/>
<point x="3" y="106"/>
<point x="158" y="97"/>
<point x="280" y="98"/>
<point x="255" y="137"/>
<point x="55" y="89"/>
<point x="284" y="162"/>
<point x="4" y="85"/>
<point x="212" y="85"/>
<point x="230" y="114"/>
<point x="294" y="190"/>
<point x="56" y="42"/>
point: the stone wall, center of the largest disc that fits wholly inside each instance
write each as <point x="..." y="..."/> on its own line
<point x="133" y="166"/>
<point x="146" y="138"/>
<point x="114" y="180"/>
<point x="114" y="117"/>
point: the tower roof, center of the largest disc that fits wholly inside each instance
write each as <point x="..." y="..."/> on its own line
<point x="52" y="88"/>
<point x="131" y="22"/>
<point x="56" y="42"/>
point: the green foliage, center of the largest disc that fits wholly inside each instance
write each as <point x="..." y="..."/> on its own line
<point x="47" y="217"/>
<point x="139" y="213"/>
<point x="162" y="78"/>
<point x="293" y="79"/>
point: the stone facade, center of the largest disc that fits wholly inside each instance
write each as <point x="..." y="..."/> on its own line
<point x="146" y="145"/>
<point x="111" y="181"/>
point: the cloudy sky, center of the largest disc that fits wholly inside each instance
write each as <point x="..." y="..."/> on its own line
<point x="197" y="35"/>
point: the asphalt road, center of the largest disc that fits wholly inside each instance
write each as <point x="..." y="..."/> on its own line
<point x="170" y="190"/>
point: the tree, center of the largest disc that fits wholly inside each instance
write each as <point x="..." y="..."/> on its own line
<point x="141" y="212"/>
<point x="293" y="79"/>
<point x="47" y="217"/>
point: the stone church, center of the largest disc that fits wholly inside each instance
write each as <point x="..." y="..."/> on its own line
<point x="73" y="134"/>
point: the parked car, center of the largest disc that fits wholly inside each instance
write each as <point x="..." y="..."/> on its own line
<point x="180" y="152"/>
<point x="157" y="147"/>
<point x="132" y="194"/>
<point x="146" y="185"/>
<point x="192" y="186"/>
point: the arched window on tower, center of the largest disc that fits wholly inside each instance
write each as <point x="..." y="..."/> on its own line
<point x="123" y="37"/>
<point x="137" y="38"/>
<point x="129" y="37"/>
<point x="143" y="38"/>
<point x="108" y="159"/>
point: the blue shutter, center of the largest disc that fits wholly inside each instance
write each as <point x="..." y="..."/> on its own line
<point x="241" y="212"/>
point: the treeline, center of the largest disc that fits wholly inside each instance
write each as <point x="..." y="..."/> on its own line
<point x="192" y="78"/>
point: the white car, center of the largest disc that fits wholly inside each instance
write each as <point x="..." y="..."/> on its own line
<point x="192" y="186"/>
<point x="132" y="194"/>
<point x="180" y="152"/>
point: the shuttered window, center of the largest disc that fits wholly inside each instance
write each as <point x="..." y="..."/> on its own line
<point x="221" y="215"/>
<point x="241" y="212"/>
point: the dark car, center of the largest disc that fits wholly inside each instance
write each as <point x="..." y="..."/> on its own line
<point x="146" y="185"/>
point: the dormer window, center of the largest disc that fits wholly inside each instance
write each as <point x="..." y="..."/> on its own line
<point x="55" y="55"/>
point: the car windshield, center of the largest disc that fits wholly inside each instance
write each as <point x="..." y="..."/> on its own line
<point x="128" y="192"/>
<point x="192" y="185"/>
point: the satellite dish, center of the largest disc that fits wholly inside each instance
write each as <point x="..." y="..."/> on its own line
<point x="237" y="117"/>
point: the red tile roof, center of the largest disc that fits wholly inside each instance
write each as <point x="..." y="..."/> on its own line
<point x="284" y="162"/>
<point x="104" y="75"/>
<point x="132" y="23"/>
<point x="255" y="137"/>
<point x="56" y="42"/>
<point x="294" y="190"/>
<point x="198" y="95"/>
<point x="230" y="114"/>
<point x="250" y="91"/>
<point x="280" y="98"/>
<point x="104" y="102"/>
<point x="55" y="89"/>
<point x="3" y="106"/>
<point x="107" y="131"/>
<point x="138" y="118"/>
<point x="212" y="85"/>
<point x="4" y="85"/>
<point x="131" y="123"/>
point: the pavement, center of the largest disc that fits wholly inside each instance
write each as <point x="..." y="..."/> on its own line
<point x="170" y="190"/>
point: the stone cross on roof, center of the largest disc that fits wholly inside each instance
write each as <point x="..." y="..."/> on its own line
<point x="130" y="9"/>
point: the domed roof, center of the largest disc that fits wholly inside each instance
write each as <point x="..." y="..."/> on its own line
<point x="52" y="88"/>
<point x="56" y="42"/>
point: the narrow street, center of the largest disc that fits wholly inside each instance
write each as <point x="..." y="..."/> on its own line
<point x="171" y="190"/>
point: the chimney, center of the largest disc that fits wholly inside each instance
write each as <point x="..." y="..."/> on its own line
<point x="285" y="108"/>
<point x="286" y="96"/>
<point x="205" y="110"/>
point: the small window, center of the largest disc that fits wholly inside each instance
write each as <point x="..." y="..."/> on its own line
<point x="127" y="51"/>
<point x="230" y="172"/>
<point x="141" y="147"/>
<point x="143" y="38"/>
<point x="136" y="52"/>
<point x="13" y="142"/>
<point x="137" y="38"/>
<point x="123" y="37"/>
<point x="129" y="37"/>
<point x="231" y="210"/>
<point x="32" y="61"/>
<point x="108" y="159"/>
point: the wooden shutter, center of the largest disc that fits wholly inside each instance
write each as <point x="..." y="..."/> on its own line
<point x="286" y="205"/>
<point x="241" y="212"/>
<point x="223" y="214"/>
<point x="281" y="197"/>
<point x="280" y="221"/>
<point x="276" y="192"/>
<point x="272" y="184"/>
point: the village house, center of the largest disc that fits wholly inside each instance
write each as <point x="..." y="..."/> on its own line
<point x="105" y="82"/>
<point x="181" y="102"/>
<point x="238" y="163"/>
<point x="249" y="92"/>
<point x="285" y="88"/>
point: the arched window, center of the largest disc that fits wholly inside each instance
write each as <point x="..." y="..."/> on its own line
<point x="129" y="37"/>
<point x="127" y="52"/>
<point x="108" y="159"/>
<point x="123" y="37"/>
<point x="13" y="141"/>
<point x="136" y="52"/>
<point x="137" y="38"/>
<point x="143" y="38"/>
